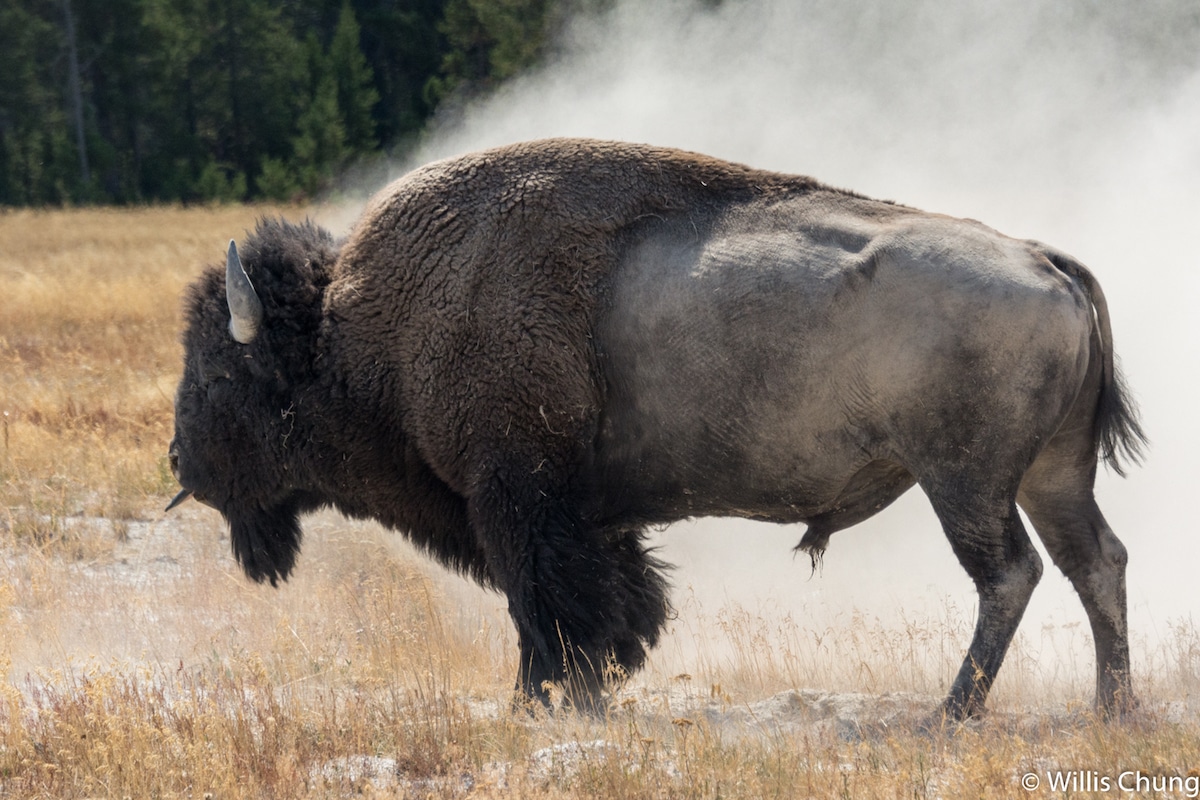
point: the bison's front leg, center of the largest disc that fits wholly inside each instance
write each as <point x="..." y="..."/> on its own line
<point x="586" y="601"/>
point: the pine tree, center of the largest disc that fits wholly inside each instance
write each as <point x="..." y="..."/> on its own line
<point x="356" y="94"/>
<point x="39" y="164"/>
<point x="489" y="42"/>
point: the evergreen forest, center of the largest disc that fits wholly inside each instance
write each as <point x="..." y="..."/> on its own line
<point x="137" y="101"/>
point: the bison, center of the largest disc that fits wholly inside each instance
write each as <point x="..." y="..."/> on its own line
<point x="522" y="358"/>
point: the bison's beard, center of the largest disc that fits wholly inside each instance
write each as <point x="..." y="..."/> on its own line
<point x="267" y="541"/>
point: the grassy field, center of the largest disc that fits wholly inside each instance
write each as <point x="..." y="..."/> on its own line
<point x="140" y="663"/>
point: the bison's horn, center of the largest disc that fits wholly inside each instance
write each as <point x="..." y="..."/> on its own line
<point x="179" y="498"/>
<point x="245" y="309"/>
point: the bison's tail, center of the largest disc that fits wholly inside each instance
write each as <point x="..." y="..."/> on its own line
<point x="1118" y="432"/>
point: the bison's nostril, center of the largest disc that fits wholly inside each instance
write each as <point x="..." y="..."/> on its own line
<point x="173" y="459"/>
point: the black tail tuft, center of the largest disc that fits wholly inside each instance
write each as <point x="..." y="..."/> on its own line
<point x="1119" y="434"/>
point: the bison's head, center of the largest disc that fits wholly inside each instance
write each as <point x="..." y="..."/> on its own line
<point x="249" y="344"/>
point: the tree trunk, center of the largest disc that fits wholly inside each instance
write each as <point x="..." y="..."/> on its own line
<point x="76" y="94"/>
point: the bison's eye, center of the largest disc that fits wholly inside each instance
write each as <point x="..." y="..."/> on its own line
<point x="216" y="381"/>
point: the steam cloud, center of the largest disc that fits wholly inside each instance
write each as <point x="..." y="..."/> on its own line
<point x="1077" y="124"/>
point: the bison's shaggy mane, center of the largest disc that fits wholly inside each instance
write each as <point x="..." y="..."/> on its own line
<point x="290" y="266"/>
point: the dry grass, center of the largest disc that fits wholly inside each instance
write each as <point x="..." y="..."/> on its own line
<point x="139" y="663"/>
<point x="89" y="357"/>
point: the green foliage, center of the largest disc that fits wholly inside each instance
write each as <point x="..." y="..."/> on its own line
<point x="490" y="41"/>
<point x="203" y="100"/>
<point x="319" y="145"/>
<point x="277" y="181"/>
<point x="35" y="152"/>
<point x="356" y="94"/>
<point x="219" y="184"/>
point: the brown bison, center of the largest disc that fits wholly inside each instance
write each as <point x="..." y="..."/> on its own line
<point x="523" y="357"/>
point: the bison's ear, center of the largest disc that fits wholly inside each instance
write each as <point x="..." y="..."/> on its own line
<point x="245" y="309"/>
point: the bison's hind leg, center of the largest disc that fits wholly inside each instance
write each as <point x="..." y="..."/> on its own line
<point x="1057" y="495"/>
<point x="587" y="601"/>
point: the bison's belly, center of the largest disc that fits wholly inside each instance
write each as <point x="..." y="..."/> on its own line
<point x="709" y="451"/>
<point x="694" y="426"/>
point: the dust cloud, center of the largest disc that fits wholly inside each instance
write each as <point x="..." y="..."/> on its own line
<point x="1077" y="124"/>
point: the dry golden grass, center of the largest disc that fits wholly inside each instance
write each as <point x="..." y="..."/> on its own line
<point x="89" y="356"/>
<point x="140" y="663"/>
